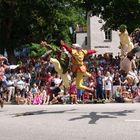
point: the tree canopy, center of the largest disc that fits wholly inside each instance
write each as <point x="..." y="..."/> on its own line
<point x="28" y="21"/>
<point x="114" y="12"/>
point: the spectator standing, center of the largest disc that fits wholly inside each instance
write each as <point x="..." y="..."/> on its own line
<point x="108" y="86"/>
<point x="99" y="86"/>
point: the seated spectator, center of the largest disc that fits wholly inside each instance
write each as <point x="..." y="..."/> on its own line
<point x="20" y="99"/>
<point x="127" y="95"/>
<point x="87" y="97"/>
<point x="29" y="98"/>
<point x="37" y="100"/>
<point x="137" y="94"/>
<point x="56" y="97"/>
<point x="55" y="89"/>
<point x="65" y="97"/>
<point x="44" y="95"/>
<point x="34" y="89"/>
<point x="118" y="95"/>
<point x="73" y="92"/>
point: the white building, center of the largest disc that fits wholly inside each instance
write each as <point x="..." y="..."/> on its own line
<point x="95" y="38"/>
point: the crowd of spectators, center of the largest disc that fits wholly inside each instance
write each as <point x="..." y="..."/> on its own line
<point x="34" y="82"/>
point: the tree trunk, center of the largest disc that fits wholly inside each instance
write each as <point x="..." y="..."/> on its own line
<point x="1" y="50"/>
<point x="11" y="56"/>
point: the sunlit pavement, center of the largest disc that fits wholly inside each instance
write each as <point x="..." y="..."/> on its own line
<point x="110" y="121"/>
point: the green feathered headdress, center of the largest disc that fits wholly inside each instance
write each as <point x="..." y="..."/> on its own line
<point x="122" y="28"/>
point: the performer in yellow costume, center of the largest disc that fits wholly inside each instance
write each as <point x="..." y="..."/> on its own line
<point x="78" y="66"/>
<point x="59" y="70"/>
<point x="126" y="44"/>
<point x="58" y="64"/>
<point x="127" y="66"/>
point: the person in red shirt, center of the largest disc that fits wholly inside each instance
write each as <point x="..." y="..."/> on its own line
<point x="49" y="78"/>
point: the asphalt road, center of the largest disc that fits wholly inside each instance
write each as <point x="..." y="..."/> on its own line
<point x="110" y="121"/>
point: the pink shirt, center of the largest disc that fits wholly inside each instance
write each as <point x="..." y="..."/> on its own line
<point x="2" y="70"/>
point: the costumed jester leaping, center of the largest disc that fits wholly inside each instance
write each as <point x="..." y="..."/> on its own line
<point x="78" y="67"/>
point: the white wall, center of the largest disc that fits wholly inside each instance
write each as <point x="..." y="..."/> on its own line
<point x="80" y="39"/>
<point x="96" y="38"/>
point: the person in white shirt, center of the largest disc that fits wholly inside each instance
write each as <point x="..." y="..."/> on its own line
<point x="108" y="80"/>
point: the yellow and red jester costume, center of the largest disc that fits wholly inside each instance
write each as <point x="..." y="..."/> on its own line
<point x="78" y="66"/>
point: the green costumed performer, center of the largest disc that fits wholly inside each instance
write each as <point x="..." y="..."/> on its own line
<point x="61" y="64"/>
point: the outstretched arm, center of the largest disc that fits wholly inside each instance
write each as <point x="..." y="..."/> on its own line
<point x="46" y="45"/>
<point x="49" y="47"/>
<point x="91" y="51"/>
<point x="66" y="46"/>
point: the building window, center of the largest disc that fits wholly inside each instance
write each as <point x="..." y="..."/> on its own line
<point x="86" y="40"/>
<point x="108" y="35"/>
<point x="101" y="46"/>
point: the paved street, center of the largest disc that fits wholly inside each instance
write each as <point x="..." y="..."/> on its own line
<point x="70" y="122"/>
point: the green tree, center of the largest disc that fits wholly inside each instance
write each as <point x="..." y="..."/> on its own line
<point x="29" y="21"/>
<point x="14" y="27"/>
<point x="114" y="12"/>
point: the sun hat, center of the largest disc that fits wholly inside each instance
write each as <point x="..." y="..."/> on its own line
<point x="76" y="46"/>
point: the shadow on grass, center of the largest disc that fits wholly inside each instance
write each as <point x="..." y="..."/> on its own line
<point x="95" y="116"/>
